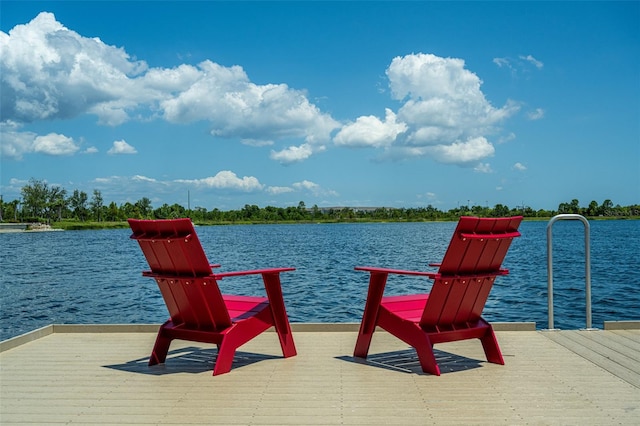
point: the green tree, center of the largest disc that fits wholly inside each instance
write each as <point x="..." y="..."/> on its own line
<point x="56" y="202"/>
<point x="10" y="210"/>
<point x="593" y="209"/>
<point x="96" y="205"/>
<point x="112" y="212"/>
<point x="574" y="207"/>
<point x="144" y="208"/>
<point x="564" y="208"/>
<point x="170" y="212"/>
<point x="250" y="212"/>
<point x="304" y="214"/>
<point x="500" y="211"/>
<point x="34" y="197"/>
<point x="199" y="213"/>
<point x="315" y="212"/>
<point x="130" y="211"/>
<point x="78" y="203"/>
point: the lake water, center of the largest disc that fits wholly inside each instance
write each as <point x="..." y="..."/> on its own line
<point x="94" y="277"/>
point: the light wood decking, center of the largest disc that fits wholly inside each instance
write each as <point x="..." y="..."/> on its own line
<point x="552" y="377"/>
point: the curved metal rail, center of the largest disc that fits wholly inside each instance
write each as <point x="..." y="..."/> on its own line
<point x="587" y="264"/>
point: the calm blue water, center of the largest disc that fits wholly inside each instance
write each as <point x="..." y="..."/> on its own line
<point x="95" y="276"/>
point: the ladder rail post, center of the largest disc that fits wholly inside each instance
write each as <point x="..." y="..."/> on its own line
<point x="550" y="273"/>
<point x="587" y="272"/>
<point x="587" y="266"/>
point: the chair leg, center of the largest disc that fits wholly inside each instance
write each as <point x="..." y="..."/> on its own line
<point x="160" y="349"/>
<point x="362" y="344"/>
<point x="491" y="348"/>
<point x="377" y="282"/>
<point x="224" y="360"/>
<point x="286" y="342"/>
<point x="279" y="314"/>
<point x="427" y="359"/>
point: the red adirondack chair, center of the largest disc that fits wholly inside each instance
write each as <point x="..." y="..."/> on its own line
<point x="198" y="310"/>
<point x="452" y="310"/>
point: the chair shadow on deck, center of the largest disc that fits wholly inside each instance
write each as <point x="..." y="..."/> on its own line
<point x="406" y="361"/>
<point x="189" y="359"/>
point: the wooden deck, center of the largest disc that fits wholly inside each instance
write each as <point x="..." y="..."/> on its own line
<point x="99" y="375"/>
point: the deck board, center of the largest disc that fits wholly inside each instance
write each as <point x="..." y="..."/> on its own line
<point x="602" y="349"/>
<point x="629" y="338"/>
<point x="103" y="378"/>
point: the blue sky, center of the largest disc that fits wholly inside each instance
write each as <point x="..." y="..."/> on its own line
<point x="396" y="104"/>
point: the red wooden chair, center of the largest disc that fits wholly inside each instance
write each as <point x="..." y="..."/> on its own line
<point x="198" y="310"/>
<point x="452" y="310"/>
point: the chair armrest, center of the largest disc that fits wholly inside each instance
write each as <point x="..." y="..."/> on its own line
<point x="215" y="265"/>
<point x="377" y="270"/>
<point x="222" y="275"/>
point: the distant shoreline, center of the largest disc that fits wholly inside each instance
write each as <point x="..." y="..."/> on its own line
<point x="6" y="228"/>
<point x="92" y="225"/>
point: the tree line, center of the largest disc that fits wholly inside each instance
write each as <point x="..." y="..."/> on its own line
<point x="41" y="202"/>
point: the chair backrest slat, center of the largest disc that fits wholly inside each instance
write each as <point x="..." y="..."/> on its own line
<point x="479" y="245"/>
<point x="171" y="247"/>
<point x="484" y="288"/>
<point x="170" y="299"/>
<point x="437" y="299"/>
<point x="467" y="271"/>
<point x="451" y="306"/>
<point x="182" y="271"/>
<point x="473" y="289"/>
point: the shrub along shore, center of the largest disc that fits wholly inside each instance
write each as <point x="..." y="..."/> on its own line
<point x="41" y="203"/>
<point x="88" y="225"/>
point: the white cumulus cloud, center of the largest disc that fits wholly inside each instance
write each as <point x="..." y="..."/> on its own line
<point x="237" y="107"/>
<point x="293" y="154"/>
<point x="52" y="72"/>
<point x="313" y="187"/>
<point x="483" y="168"/>
<point x="520" y="167"/>
<point x="54" y="144"/>
<point x="444" y="114"/>
<point x="140" y="178"/>
<point x="15" y="144"/>
<point x="466" y="152"/>
<point x="121" y="147"/>
<point x="371" y="131"/>
<point x="227" y="179"/>
<point x="277" y="190"/>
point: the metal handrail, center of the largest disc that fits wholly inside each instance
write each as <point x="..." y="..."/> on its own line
<point x="587" y="265"/>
